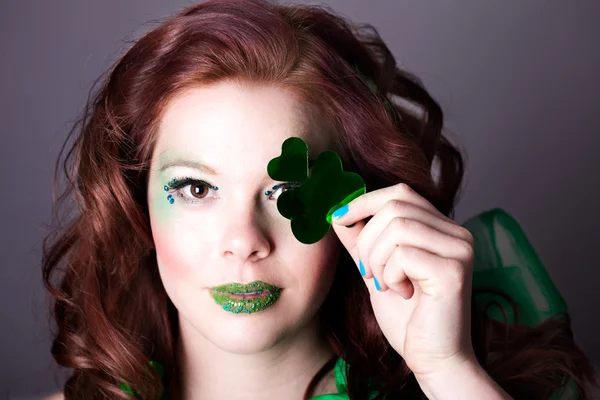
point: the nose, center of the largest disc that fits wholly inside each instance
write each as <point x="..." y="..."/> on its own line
<point x="244" y="238"/>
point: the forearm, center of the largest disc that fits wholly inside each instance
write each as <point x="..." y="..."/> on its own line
<point x="467" y="381"/>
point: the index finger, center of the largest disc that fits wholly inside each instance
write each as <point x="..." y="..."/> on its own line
<point x="369" y="203"/>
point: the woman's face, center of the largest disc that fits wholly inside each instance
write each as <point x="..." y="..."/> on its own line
<point x="224" y="135"/>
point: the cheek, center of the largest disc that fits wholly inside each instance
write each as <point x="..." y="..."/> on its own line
<point x="170" y="251"/>
<point x="170" y="257"/>
<point x="324" y="259"/>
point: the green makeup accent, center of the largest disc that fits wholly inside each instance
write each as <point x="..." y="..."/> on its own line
<point x="310" y="205"/>
<point x="233" y="297"/>
<point x="160" y="203"/>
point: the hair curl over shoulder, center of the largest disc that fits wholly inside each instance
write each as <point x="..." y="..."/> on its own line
<point x="112" y="313"/>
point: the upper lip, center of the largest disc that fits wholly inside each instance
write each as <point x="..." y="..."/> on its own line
<point x="240" y="288"/>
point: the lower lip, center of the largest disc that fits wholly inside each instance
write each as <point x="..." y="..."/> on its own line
<point x="245" y="303"/>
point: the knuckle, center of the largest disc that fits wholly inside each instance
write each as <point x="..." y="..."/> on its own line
<point x="404" y="224"/>
<point x="376" y="261"/>
<point x="455" y="269"/>
<point x="405" y="252"/>
<point x="400" y="222"/>
<point x="402" y="188"/>
<point x="466" y="235"/>
<point x="394" y="272"/>
<point x="389" y="276"/>
<point x="466" y="250"/>
<point x="395" y="206"/>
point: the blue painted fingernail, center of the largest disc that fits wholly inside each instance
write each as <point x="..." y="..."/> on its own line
<point x="361" y="267"/>
<point x="376" y="284"/>
<point x="340" y="212"/>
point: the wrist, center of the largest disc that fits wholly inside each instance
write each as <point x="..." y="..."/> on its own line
<point x="467" y="380"/>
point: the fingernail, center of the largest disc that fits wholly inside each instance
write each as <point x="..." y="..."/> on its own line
<point x="361" y="267"/>
<point x="340" y="212"/>
<point x="376" y="284"/>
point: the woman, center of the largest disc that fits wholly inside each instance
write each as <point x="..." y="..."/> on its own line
<point x="178" y="255"/>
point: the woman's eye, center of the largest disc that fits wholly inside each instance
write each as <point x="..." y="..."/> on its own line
<point x="197" y="190"/>
<point x="283" y="188"/>
<point x="190" y="190"/>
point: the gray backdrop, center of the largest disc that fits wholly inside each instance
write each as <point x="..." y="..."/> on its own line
<point x="517" y="80"/>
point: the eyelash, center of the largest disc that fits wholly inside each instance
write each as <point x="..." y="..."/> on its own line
<point x="176" y="184"/>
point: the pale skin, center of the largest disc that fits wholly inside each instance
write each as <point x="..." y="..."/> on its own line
<point x="237" y="235"/>
<point x="422" y="261"/>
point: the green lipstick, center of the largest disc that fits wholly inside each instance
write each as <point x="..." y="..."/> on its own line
<point x="249" y="298"/>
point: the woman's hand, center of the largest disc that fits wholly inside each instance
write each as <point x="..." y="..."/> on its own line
<point x="408" y="249"/>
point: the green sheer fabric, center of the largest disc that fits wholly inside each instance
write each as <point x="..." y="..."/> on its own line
<point x="506" y="261"/>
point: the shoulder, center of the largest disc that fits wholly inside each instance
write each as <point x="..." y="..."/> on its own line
<point x="56" y="396"/>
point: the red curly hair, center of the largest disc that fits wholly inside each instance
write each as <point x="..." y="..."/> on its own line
<point x="113" y="314"/>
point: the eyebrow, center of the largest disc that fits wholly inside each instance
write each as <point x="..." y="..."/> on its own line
<point x="181" y="162"/>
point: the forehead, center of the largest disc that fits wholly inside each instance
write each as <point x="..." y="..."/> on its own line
<point x="230" y="126"/>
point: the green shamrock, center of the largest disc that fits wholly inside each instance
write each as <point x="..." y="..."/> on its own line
<point x="310" y="205"/>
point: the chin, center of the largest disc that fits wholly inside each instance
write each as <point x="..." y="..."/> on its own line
<point x="247" y="335"/>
